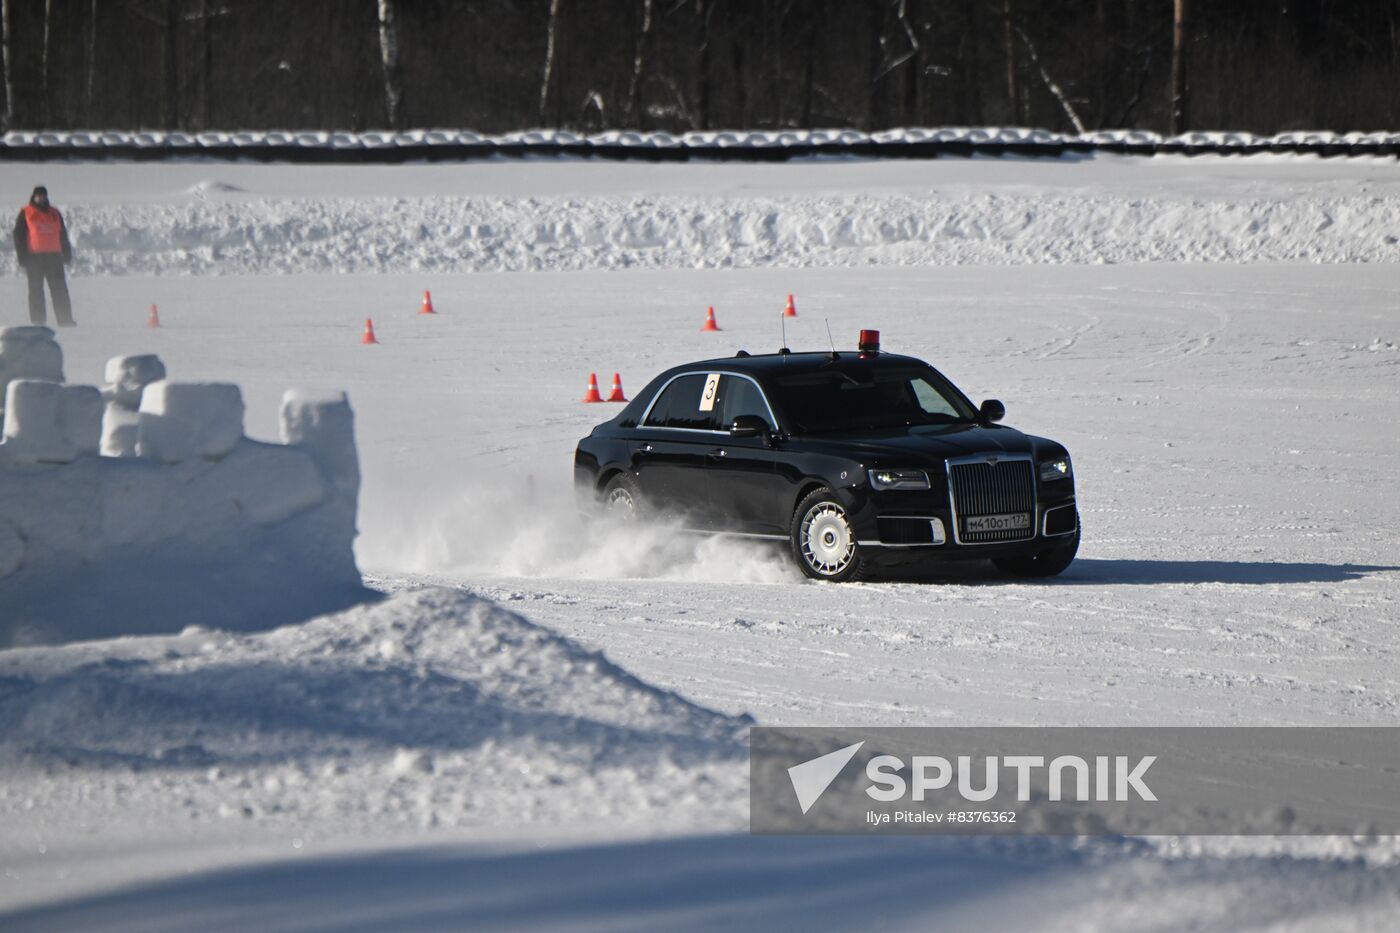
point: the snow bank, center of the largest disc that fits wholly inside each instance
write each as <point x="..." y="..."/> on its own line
<point x="957" y="226"/>
<point x="432" y="708"/>
<point x="190" y="523"/>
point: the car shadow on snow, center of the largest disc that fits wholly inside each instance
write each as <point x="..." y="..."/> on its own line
<point x="1099" y="571"/>
<point x="737" y="883"/>
<point x="1091" y="571"/>
<point x="733" y="882"/>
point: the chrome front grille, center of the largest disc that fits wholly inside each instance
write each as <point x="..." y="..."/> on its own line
<point x="1001" y="486"/>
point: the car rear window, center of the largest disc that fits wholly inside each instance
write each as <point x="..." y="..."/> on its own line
<point x="679" y="406"/>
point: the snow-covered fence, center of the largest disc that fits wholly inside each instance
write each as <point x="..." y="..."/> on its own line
<point x="715" y="145"/>
<point x="182" y="521"/>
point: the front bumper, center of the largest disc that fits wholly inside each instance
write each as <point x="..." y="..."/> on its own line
<point x="913" y="525"/>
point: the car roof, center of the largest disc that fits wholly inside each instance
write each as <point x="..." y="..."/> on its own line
<point x="764" y="366"/>
<point x="783" y="363"/>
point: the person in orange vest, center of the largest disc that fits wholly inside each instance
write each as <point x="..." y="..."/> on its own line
<point x="41" y="243"/>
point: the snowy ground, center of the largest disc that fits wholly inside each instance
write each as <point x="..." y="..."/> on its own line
<point x="1233" y="432"/>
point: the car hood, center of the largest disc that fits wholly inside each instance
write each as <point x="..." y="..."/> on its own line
<point x="918" y="444"/>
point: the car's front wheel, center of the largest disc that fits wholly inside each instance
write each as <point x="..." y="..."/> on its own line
<point x="1047" y="563"/>
<point x="822" y="539"/>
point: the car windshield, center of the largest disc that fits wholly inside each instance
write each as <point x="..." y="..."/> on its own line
<point x="866" y="397"/>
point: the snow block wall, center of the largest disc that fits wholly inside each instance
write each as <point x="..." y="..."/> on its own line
<point x="181" y="520"/>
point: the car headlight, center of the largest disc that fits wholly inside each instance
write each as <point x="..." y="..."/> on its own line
<point x="1059" y="468"/>
<point x="899" y="479"/>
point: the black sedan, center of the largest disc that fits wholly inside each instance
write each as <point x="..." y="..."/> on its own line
<point x="856" y="459"/>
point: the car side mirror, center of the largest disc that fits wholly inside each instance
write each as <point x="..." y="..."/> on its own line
<point x="751" y="426"/>
<point x="991" y="411"/>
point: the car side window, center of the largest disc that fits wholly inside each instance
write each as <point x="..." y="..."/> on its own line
<point x="739" y="396"/>
<point x="679" y="406"/>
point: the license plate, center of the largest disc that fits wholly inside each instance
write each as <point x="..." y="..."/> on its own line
<point x="1014" y="521"/>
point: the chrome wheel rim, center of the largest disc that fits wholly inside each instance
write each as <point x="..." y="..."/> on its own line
<point x="621" y="504"/>
<point x="827" y="543"/>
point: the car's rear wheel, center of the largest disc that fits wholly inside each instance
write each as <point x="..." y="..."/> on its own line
<point x="621" y="498"/>
<point x="1047" y="563"/>
<point x="823" y="541"/>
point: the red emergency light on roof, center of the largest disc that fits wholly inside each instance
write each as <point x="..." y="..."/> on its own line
<point x="869" y="342"/>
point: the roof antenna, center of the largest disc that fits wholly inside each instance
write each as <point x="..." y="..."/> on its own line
<point x="834" y="354"/>
<point x="783" y="350"/>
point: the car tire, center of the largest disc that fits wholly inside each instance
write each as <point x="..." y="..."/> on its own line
<point x="621" y="499"/>
<point x="1047" y="563"/>
<point x="823" y="542"/>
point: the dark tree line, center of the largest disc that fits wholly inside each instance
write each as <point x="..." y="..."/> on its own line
<point x="498" y="65"/>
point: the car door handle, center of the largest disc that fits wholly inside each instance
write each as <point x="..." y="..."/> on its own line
<point x="719" y="453"/>
<point x="647" y="448"/>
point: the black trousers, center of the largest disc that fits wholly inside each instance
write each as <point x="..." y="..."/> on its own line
<point x="48" y="267"/>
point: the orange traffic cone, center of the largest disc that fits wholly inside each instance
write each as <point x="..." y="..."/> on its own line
<point x="710" y="320"/>
<point x="617" y="395"/>
<point x="369" y="332"/>
<point x="791" y="309"/>
<point x="592" y="394"/>
<point x="153" y="319"/>
<point x="427" y="304"/>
